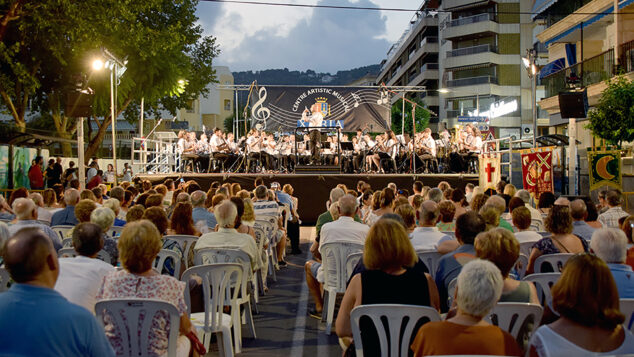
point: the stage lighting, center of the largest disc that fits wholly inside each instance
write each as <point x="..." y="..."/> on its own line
<point x="97" y="65"/>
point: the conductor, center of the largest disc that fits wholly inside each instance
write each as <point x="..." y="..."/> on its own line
<point x="315" y="120"/>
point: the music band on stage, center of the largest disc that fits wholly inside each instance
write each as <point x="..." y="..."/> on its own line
<point x="259" y="151"/>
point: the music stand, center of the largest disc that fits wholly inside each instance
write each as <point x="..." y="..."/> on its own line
<point x="347" y="146"/>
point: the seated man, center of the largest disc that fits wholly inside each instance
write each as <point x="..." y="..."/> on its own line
<point x="579" y="213"/>
<point x="427" y="236"/>
<point x="610" y="244"/>
<point x="468" y="226"/>
<point x="610" y="218"/>
<point x="35" y="320"/>
<point x="80" y="277"/>
<point x="537" y="221"/>
<point x="200" y="213"/>
<point x="228" y="237"/>
<point x="344" y="230"/>
<point x="26" y="212"/>
<point x="66" y="215"/>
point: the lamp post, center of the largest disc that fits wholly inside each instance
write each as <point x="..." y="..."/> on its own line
<point x="531" y="69"/>
<point x="117" y="67"/>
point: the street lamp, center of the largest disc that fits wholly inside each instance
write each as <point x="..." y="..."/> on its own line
<point x="531" y="69"/>
<point x="117" y="67"/>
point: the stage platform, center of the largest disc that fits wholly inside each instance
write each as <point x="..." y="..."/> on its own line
<point x="313" y="190"/>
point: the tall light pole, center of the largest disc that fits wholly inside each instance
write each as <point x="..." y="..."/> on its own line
<point x="531" y="69"/>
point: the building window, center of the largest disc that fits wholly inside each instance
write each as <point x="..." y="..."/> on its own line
<point x="191" y="107"/>
<point x="227" y="104"/>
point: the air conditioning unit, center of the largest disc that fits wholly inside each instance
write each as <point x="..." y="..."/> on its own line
<point x="527" y="131"/>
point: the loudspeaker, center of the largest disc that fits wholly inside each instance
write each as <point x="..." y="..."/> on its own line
<point x="573" y="104"/>
<point x="78" y="104"/>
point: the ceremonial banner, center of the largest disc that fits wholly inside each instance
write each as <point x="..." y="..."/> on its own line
<point x="537" y="170"/>
<point x="605" y="168"/>
<point x="279" y="108"/>
<point x="490" y="170"/>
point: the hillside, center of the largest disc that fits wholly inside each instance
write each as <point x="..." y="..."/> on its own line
<point x="309" y="77"/>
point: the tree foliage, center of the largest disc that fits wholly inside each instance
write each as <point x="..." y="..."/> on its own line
<point x="422" y="116"/>
<point x="613" y="118"/>
<point x="48" y="43"/>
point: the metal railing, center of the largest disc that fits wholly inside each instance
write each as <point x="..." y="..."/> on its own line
<point x="592" y="70"/>
<point x="472" y="50"/>
<point x="155" y="156"/>
<point x="472" y="19"/>
<point x="428" y="39"/>
<point x="472" y="81"/>
<point x="626" y="56"/>
<point x="429" y="66"/>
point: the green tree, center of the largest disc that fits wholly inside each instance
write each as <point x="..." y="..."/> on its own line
<point x="422" y="116"/>
<point x="613" y="118"/>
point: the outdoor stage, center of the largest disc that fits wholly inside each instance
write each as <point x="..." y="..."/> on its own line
<point x="313" y="190"/>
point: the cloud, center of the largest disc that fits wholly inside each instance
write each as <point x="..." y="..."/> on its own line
<point x="321" y="39"/>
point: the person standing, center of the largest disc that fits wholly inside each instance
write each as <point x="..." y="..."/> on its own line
<point x="36" y="178"/>
<point x="314" y="120"/>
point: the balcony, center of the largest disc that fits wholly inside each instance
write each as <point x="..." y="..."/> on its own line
<point x="428" y="39"/>
<point x="429" y="66"/>
<point x="472" y="81"/>
<point x="472" y="50"/>
<point x="468" y="27"/>
<point x="472" y="55"/>
<point x="592" y="70"/>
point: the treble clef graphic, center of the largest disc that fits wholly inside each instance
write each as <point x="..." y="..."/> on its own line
<point x="259" y="111"/>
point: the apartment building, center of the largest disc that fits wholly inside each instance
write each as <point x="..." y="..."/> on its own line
<point x="481" y="72"/>
<point x="413" y="59"/>
<point x="584" y="39"/>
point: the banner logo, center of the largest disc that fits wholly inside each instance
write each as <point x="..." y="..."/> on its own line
<point x="605" y="168"/>
<point x="259" y="112"/>
<point x="537" y="170"/>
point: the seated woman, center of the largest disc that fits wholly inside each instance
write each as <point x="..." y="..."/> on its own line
<point x="590" y="324"/>
<point x="388" y="257"/>
<point x="157" y="216"/>
<point x="181" y="221"/>
<point x="447" y="223"/>
<point x="386" y="197"/>
<point x="139" y="245"/>
<point x="407" y="213"/>
<point x="104" y="218"/>
<point x="559" y="224"/>
<point x="478" y="289"/>
<point x="502" y="249"/>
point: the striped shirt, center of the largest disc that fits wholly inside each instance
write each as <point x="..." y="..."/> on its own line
<point x="266" y="208"/>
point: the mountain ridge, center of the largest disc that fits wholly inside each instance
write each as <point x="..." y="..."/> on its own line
<point x="284" y="76"/>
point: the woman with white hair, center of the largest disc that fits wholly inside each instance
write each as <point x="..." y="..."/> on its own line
<point x="478" y="290"/>
<point x="104" y="218"/>
<point x="610" y="244"/>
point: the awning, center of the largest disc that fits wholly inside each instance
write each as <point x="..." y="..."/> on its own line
<point x="541" y="6"/>
<point x="553" y="67"/>
<point x="571" y="54"/>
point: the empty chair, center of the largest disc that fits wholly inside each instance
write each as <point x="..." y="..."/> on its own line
<point x="543" y="282"/>
<point x="63" y="231"/>
<point x="430" y="258"/>
<point x="394" y="324"/>
<point x="511" y="317"/>
<point x="135" y="333"/>
<point x="165" y="255"/>
<point x="334" y="256"/>
<point x="186" y="242"/>
<point x="627" y="309"/>
<point x="555" y="261"/>
<point x="217" y="293"/>
<point x="5" y="280"/>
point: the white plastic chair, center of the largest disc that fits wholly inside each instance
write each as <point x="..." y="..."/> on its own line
<point x="261" y="239"/>
<point x="114" y="231"/>
<point x="270" y="230"/>
<point x="62" y="231"/>
<point x="351" y="261"/>
<point x="137" y="342"/>
<point x="544" y="234"/>
<point x="543" y="283"/>
<point x="536" y="225"/>
<point x="233" y="255"/>
<point x="164" y="255"/>
<point x="451" y="291"/>
<point x="520" y="266"/>
<point x="70" y="253"/>
<point x="394" y="315"/>
<point x="333" y="258"/>
<point x="186" y="242"/>
<point x="216" y="283"/>
<point x="5" y="280"/>
<point x="526" y="247"/>
<point x="67" y="242"/>
<point x="511" y="316"/>
<point x="556" y="261"/>
<point x="430" y="258"/>
<point x="627" y="309"/>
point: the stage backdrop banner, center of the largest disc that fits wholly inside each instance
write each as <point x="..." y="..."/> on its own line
<point x="279" y="108"/>
<point x="490" y="170"/>
<point x="537" y="170"/>
<point x="605" y="168"/>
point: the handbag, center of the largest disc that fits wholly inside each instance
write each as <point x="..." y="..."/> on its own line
<point x="196" y="344"/>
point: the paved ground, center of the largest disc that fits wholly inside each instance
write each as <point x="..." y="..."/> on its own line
<point x="283" y="326"/>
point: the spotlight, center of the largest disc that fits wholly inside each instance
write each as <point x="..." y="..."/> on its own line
<point x="97" y="65"/>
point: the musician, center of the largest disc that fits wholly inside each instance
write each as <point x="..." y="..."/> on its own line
<point x="219" y="148"/>
<point x="427" y="148"/>
<point x="315" y="119"/>
<point x="254" y="147"/>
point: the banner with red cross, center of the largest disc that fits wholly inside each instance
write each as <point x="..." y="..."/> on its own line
<point x="537" y="170"/>
<point x="490" y="170"/>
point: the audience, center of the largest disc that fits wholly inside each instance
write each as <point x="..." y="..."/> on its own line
<point x="66" y="215"/>
<point x="427" y="236"/>
<point x="139" y="244"/>
<point x="546" y="202"/>
<point x="579" y="213"/>
<point x="408" y="214"/>
<point x="43" y="215"/>
<point x="182" y="222"/>
<point x="115" y="206"/>
<point x="536" y="215"/>
<point x="586" y="299"/>
<point x="388" y="279"/>
<point x="447" y="211"/>
<point x="35" y="320"/>
<point x="26" y="214"/>
<point x="459" y="201"/>
<point x="134" y="213"/>
<point x="104" y="218"/>
<point x="200" y="213"/>
<point x="610" y="244"/>
<point x="559" y="224"/>
<point x="80" y="277"/>
<point x="610" y="218"/>
<point x="522" y="221"/>
<point x="385" y="206"/>
<point x="479" y="287"/>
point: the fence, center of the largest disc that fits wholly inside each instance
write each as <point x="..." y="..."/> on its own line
<point x="592" y="70"/>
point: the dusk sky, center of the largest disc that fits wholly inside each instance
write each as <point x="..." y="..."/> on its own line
<point x="255" y="37"/>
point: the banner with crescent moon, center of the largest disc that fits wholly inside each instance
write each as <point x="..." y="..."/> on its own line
<point x="280" y="107"/>
<point x="604" y="168"/>
<point x="537" y="170"/>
